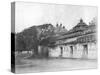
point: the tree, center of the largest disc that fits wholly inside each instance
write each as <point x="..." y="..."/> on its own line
<point x="34" y="36"/>
<point x="27" y="39"/>
<point x="20" y="43"/>
<point x="46" y="35"/>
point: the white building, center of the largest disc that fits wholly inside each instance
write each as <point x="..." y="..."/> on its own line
<point x="79" y="42"/>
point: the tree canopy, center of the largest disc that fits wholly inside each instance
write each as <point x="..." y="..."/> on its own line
<point x="32" y="37"/>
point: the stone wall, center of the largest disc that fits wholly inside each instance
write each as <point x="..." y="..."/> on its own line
<point x="54" y="52"/>
<point x="92" y="51"/>
<point x="78" y="51"/>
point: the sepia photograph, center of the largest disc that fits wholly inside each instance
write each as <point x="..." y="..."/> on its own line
<point x="53" y="37"/>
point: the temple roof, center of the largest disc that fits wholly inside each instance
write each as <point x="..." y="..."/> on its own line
<point x="80" y="29"/>
<point x="80" y="26"/>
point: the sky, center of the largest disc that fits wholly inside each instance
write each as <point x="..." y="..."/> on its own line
<point x="30" y="14"/>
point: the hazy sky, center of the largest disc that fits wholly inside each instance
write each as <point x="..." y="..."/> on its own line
<point x="29" y="14"/>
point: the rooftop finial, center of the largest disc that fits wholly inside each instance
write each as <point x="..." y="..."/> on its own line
<point x="60" y="24"/>
<point x="81" y="20"/>
<point x="57" y="25"/>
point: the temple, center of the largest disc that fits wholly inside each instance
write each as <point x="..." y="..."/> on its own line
<point x="79" y="42"/>
<point x="58" y="42"/>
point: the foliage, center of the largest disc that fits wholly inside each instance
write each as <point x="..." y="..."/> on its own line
<point x="34" y="36"/>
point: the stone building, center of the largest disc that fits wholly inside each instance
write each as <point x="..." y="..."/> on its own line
<point x="79" y="42"/>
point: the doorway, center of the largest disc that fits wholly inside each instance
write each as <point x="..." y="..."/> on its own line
<point x="85" y="51"/>
<point x="61" y="48"/>
<point x="71" y="51"/>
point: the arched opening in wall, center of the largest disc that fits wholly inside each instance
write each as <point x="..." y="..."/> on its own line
<point x="85" y="50"/>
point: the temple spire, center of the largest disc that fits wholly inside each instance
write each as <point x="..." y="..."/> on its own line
<point x="81" y="20"/>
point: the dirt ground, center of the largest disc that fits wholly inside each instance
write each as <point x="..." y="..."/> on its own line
<point x="44" y="65"/>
